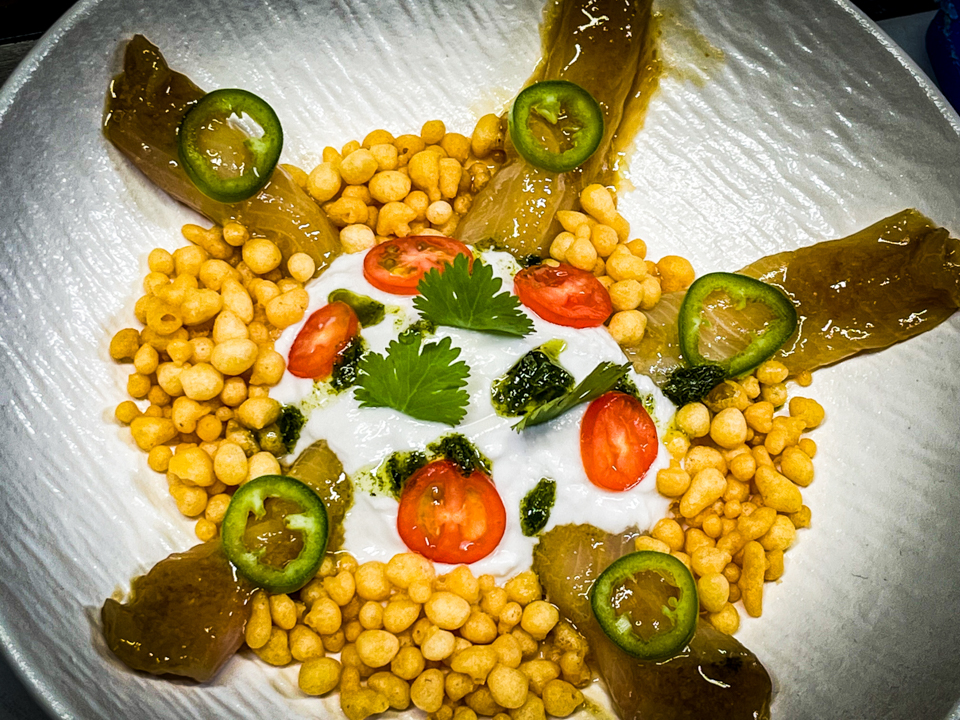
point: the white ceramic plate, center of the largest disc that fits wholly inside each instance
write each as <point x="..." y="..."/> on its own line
<point x="810" y="126"/>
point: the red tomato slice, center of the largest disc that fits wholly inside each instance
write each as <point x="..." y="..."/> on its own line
<point x="618" y="441"/>
<point x="450" y="517"/>
<point x="396" y="266"/>
<point x="563" y="295"/>
<point x="321" y="340"/>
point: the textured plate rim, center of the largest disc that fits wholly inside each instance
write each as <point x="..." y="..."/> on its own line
<point x="34" y="681"/>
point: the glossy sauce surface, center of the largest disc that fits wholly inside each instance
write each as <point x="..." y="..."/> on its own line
<point x="184" y="617"/>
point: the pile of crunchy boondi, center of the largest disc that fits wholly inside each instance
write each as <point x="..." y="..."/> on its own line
<point x="455" y="646"/>
<point x="388" y="187"/>
<point x="735" y="474"/>
<point x="597" y="240"/>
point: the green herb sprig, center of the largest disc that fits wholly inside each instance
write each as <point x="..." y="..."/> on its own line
<point x="423" y="381"/>
<point x="602" y="379"/>
<point x="459" y="297"/>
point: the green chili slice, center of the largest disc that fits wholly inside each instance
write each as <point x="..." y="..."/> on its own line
<point x="555" y="125"/>
<point x="647" y="604"/>
<point x="219" y="155"/>
<point x="735" y="293"/>
<point x="282" y="546"/>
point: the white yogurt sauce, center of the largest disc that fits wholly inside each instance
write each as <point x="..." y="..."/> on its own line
<point x="364" y="437"/>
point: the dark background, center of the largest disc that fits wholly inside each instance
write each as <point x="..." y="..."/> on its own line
<point x="29" y="19"/>
<point x="885" y="9"/>
<point x="24" y="21"/>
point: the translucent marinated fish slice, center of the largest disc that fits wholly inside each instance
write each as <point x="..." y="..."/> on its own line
<point x="605" y="47"/>
<point x="184" y="617"/>
<point x="320" y="468"/>
<point x="144" y="107"/>
<point x="714" y="677"/>
<point x="887" y="283"/>
<point x="884" y="284"/>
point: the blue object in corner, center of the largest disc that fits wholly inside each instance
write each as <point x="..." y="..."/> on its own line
<point x="943" y="47"/>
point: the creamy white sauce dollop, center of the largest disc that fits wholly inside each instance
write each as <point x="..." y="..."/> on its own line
<point x="364" y="437"/>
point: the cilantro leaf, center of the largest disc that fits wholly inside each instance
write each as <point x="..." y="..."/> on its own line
<point x="602" y="379"/>
<point x="422" y="382"/>
<point x="460" y="298"/>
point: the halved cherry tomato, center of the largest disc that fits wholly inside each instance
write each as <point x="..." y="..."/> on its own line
<point x="396" y="266"/>
<point x="450" y="517"/>
<point x="563" y="295"/>
<point x="321" y="340"/>
<point x="618" y="441"/>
